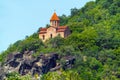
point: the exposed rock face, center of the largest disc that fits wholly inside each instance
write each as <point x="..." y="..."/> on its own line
<point x="25" y="63"/>
<point x="2" y="73"/>
<point x="18" y="55"/>
<point x="69" y="61"/>
<point x="14" y="63"/>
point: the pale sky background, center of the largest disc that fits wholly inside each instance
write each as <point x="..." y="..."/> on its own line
<point x="19" y="18"/>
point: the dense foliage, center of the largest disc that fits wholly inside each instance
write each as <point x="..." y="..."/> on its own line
<point x="95" y="42"/>
<point x="16" y="76"/>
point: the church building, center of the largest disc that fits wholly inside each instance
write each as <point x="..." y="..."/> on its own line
<point x="54" y="29"/>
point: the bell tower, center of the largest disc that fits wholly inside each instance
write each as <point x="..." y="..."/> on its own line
<point x="54" y="21"/>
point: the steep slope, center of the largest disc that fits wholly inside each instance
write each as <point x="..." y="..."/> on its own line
<point x="95" y="41"/>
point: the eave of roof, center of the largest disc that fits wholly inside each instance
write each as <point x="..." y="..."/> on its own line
<point x="58" y="29"/>
<point x="42" y="32"/>
<point x="61" y="28"/>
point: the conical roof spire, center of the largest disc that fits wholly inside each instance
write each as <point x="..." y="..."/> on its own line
<point x="54" y="17"/>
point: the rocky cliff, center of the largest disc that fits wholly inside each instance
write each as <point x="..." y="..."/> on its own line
<point x="24" y="63"/>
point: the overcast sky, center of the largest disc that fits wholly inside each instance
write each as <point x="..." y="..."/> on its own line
<point x="19" y="18"/>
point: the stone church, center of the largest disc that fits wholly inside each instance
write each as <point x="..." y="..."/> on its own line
<point x="54" y="29"/>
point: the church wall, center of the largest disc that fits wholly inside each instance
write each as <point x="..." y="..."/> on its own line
<point x="61" y="34"/>
<point x="51" y="31"/>
<point x="41" y="37"/>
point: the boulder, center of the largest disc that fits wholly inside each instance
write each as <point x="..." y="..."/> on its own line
<point x="25" y="67"/>
<point x="18" y="55"/>
<point x="69" y="61"/>
<point x="13" y="64"/>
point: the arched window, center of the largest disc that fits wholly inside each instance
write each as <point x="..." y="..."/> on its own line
<point x="51" y="36"/>
<point x="55" y="23"/>
<point x="43" y="37"/>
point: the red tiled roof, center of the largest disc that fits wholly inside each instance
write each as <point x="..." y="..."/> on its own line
<point x="61" y="28"/>
<point x="54" y="17"/>
<point x="58" y="29"/>
<point x="43" y="30"/>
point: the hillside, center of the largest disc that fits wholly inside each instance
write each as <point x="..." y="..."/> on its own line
<point x="94" y="42"/>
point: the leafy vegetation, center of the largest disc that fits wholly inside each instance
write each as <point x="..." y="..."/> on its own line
<point x="68" y="75"/>
<point x="95" y="42"/>
<point x="16" y="76"/>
